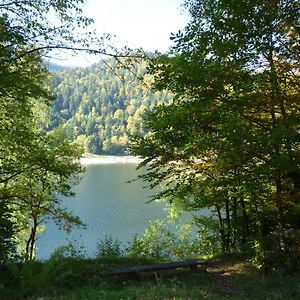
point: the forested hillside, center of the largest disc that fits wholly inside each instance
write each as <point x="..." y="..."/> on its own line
<point x="101" y="106"/>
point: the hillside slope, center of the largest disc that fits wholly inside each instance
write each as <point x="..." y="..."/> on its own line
<point x="101" y="106"/>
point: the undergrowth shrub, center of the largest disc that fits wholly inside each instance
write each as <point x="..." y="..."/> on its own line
<point x="36" y="277"/>
<point x="162" y="244"/>
<point x="59" y="269"/>
<point x="208" y="238"/>
<point x="154" y="243"/>
<point x="26" y="276"/>
<point x="109" y="247"/>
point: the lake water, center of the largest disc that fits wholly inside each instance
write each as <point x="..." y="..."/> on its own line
<point x="108" y="205"/>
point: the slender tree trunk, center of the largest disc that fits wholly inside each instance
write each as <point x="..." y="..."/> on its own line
<point x="33" y="239"/>
<point x="27" y="249"/>
<point x="30" y="243"/>
<point x="280" y="221"/>
<point x="228" y="225"/>
<point x="221" y="229"/>
<point x="234" y="222"/>
<point x="275" y="95"/>
<point x="246" y="229"/>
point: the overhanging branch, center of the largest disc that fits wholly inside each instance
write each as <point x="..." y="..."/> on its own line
<point x="88" y="50"/>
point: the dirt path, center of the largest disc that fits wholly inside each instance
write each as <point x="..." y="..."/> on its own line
<point x="224" y="275"/>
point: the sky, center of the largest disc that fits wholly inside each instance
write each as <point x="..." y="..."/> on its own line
<point x="136" y="23"/>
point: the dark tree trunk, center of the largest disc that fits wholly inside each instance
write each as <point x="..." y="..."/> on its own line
<point x="221" y="229"/>
<point x="30" y="244"/>
<point x="246" y="229"/>
<point x="228" y="226"/>
<point x="234" y="222"/>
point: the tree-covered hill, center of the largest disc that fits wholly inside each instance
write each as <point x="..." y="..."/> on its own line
<point x="101" y="106"/>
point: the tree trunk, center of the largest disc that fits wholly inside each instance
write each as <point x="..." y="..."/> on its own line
<point x="228" y="225"/>
<point x="280" y="222"/>
<point x="30" y="243"/>
<point x="221" y="229"/>
<point x="246" y="229"/>
<point x="33" y="240"/>
<point x="275" y="95"/>
<point x="234" y="222"/>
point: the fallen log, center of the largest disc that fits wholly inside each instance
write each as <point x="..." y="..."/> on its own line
<point x="155" y="267"/>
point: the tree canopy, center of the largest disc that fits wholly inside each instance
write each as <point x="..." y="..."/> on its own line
<point x="35" y="166"/>
<point x="230" y="139"/>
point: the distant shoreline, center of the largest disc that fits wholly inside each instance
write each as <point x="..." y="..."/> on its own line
<point x="110" y="159"/>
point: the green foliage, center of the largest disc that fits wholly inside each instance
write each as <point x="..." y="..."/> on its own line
<point x="154" y="243"/>
<point x="63" y="268"/>
<point x="160" y="243"/>
<point x="208" y="238"/>
<point x="33" y="194"/>
<point x="230" y="139"/>
<point x="25" y="277"/>
<point x="72" y="249"/>
<point x="44" y="25"/>
<point x="101" y="106"/>
<point x="35" y="167"/>
<point x="259" y="257"/>
<point x="7" y="249"/>
<point x="240" y="282"/>
<point x="109" y="247"/>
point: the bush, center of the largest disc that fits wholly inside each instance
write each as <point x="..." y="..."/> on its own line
<point x="154" y="243"/>
<point x="109" y="247"/>
<point x="160" y="243"/>
<point x="72" y="249"/>
<point x="209" y="239"/>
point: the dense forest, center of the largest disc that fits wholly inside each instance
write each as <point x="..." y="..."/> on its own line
<point x="101" y="106"/>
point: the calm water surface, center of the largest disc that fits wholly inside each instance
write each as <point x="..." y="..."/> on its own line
<point x="108" y="205"/>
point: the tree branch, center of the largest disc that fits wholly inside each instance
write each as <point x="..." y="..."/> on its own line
<point x="92" y="51"/>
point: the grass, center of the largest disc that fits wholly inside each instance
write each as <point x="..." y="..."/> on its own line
<point x="226" y="277"/>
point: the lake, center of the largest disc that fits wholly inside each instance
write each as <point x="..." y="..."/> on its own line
<point x="107" y="204"/>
